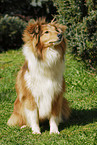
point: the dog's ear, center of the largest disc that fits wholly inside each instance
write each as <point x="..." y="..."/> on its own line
<point x="63" y="27"/>
<point x="39" y="46"/>
<point x="54" y="22"/>
<point x="32" y="28"/>
<point x="28" y="32"/>
<point x="37" y="29"/>
<point x="31" y="31"/>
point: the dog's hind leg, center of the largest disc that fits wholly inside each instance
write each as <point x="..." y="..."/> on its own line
<point x="15" y="119"/>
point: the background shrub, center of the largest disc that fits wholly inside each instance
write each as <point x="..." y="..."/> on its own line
<point x="27" y="9"/>
<point x="81" y="20"/>
<point x="84" y="42"/>
<point x="12" y="7"/>
<point x="71" y="11"/>
<point x="11" y="29"/>
<point x="15" y="14"/>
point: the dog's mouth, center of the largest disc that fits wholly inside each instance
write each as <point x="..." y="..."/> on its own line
<point x="60" y="38"/>
<point x="56" y="42"/>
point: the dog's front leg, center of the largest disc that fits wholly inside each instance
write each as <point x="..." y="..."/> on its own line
<point x="54" y="122"/>
<point x="33" y="120"/>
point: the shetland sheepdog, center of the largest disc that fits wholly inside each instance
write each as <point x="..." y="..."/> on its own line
<point x="40" y="84"/>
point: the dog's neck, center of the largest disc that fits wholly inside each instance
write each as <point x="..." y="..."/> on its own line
<point x="51" y="65"/>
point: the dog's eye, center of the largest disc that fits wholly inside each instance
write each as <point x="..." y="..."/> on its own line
<point x="46" y="32"/>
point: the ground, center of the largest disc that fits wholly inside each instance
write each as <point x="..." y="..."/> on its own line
<point x="81" y="92"/>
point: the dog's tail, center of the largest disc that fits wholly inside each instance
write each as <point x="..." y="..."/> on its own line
<point x="65" y="109"/>
<point x="15" y="119"/>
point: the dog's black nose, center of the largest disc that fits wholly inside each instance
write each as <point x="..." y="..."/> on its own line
<point x="59" y="35"/>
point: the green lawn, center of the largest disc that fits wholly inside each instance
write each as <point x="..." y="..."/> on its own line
<point x="81" y="92"/>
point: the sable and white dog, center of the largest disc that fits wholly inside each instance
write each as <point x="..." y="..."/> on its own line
<point x="40" y="83"/>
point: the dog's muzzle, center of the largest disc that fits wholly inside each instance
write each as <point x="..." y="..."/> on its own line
<point x="60" y="37"/>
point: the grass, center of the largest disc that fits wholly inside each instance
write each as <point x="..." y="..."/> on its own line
<point x="81" y="92"/>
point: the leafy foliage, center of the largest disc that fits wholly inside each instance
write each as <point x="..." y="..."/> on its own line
<point x="11" y="29"/>
<point x="80" y="18"/>
<point x="14" y="6"/>
<point x="14" y="14"/>
<point x="84" y="42"/>
<point x="27" y="9"/>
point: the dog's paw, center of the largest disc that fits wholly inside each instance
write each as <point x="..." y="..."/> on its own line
<point x="54" y="131"/>
<point x="23" y="126"/>
<point x="36" y="132"/>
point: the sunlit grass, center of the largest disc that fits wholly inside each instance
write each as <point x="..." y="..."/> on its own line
<point x="81" y="92"/>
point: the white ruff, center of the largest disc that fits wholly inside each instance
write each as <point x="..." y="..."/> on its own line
<point x="44" y="78"/>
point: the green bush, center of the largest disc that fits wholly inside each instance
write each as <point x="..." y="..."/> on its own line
<point x="80" y="18"/>
<point x="14" y="6"/>
<point x="11" y="29"/>
<point x="83" y="39"/>
<point x="70" y="11"/>
<point x="27" y="9"/>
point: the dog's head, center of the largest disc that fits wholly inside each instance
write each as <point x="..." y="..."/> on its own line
<point x="41" y="35"/>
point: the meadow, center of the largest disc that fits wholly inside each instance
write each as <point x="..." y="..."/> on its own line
<point x="81" y="92"/>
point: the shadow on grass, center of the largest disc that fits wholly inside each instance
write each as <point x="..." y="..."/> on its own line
<point x="78" y="117"/>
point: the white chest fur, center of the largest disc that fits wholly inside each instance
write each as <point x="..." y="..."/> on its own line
<point x="44" y="79"/>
